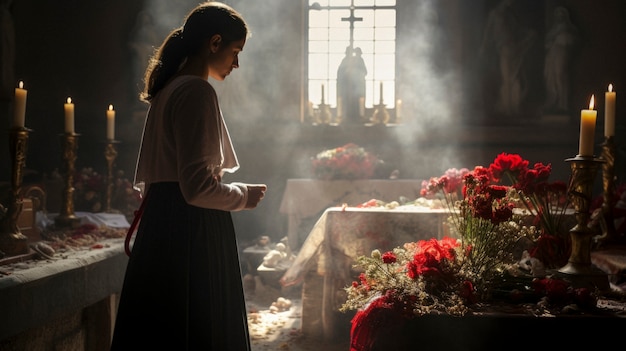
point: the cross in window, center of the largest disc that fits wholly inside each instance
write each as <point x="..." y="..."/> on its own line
<point x="352" y="19"/>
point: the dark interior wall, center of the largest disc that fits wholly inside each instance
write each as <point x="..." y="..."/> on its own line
<point x="602" y="51"/>
<point x="82" y="49"/>
<point x="76" y="49"/>
<point x="594" y="61"/>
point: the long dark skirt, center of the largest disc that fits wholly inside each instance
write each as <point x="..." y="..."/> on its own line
<point x="183" y="287"/>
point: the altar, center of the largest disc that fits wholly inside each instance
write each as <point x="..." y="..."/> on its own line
<point x="307" y="198"/>
<point x="67" y="298"/>
<point x="324" y="267"/>
<point x="324" y="263"/>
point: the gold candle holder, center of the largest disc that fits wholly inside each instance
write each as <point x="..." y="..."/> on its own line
<point x="579" y="270"/>
<point x="380" y="115"/>
<point x="12" y="241"/>
<point x="67" y="217"/>
<point x="110" y="154"/>
<point x="325" y="116"/>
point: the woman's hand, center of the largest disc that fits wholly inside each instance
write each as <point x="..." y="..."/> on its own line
<point x="256" y="192"/>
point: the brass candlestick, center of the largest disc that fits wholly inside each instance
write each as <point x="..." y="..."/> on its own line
<point x="380" y="115"/>
<point x="110" y="154"/>
<point x="66" y="217"/>
<point x="12" y="241"/>
<point x="324" y="114"/>
<point x="579" y="270"/>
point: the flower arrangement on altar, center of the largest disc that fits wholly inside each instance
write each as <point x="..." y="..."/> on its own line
<point x="349" y="161"/>
<point x="90" y="192"/>
<point x="542" y="203"/>
<point x="492" y="211"/>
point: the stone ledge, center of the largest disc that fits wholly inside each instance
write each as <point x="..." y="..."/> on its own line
<point x="44" y="290"/>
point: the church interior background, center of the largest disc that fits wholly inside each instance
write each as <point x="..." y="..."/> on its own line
<point x="466" y="81"/>
<point x="447" y="76"/>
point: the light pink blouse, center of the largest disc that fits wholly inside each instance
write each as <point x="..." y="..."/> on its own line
<point x="185" y="140"/>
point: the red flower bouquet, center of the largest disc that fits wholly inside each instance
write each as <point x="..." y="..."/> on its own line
<point x="481" y="216"/>
<point x="527" y="189"/>
<point x="546" y="202"/>
<point x="457" y="276"/>
<point x="408" y="278"/>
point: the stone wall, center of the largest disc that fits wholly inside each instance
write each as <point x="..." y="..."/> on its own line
<point x="89" y="328"/>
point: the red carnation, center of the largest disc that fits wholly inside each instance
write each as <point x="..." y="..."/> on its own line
<point x="507" y="163"/>
<point x="389" y="257"/>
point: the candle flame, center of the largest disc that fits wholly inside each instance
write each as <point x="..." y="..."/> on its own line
<point x="610" y="88"/>
<point x="591" y="102"/>
<point x="20" y="85"/>
<point x="110" y="107"/>
<point x="69" y="100"/>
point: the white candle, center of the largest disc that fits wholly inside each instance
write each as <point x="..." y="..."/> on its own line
<point x="381" y="92"/>
<point x="339" y="107"/>
<point x="69" y="116"/>
<point x="587" y="129"/>
<point x="361" y="106"/>
<point x="111" y="123"/>
<point x="609" y="112"/>
<point x="322" y="93"/>
<point x="398" y="109"/>
<point x="19" y="108"/>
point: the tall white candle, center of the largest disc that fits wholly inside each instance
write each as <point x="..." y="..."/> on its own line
<point x="322" y="93"/>
<point x="609" y="112"/>
<point x="111" y="123"/>
<point x="381" y="92"/>
<point x="361" y="106"/>
<point x="398" y="109"/>
<point x="339" y="107"/>
<point x="587" y="129"/>
<point x="19" y="107"/>
<point x="69" y="116"/>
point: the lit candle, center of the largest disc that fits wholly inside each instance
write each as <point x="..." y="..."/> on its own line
<point x="609" y="112"/>
<point x="587" y="129"/>
<point x="69" y="116"/>
<point x="19" y="109"/>
<point x="111" y="123"/>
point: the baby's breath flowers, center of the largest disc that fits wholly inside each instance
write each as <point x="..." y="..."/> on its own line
<point x="419" y="278"/>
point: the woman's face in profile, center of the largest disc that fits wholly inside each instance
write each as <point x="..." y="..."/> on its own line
<point x="225" y="59"/>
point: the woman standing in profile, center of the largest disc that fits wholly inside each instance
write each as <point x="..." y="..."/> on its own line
<point x="183" y="288"/>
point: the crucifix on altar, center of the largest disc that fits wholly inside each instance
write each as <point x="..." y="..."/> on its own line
<point x="351" y="79"/>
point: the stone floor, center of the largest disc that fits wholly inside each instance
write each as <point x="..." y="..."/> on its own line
<point x="274" y="328"/>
